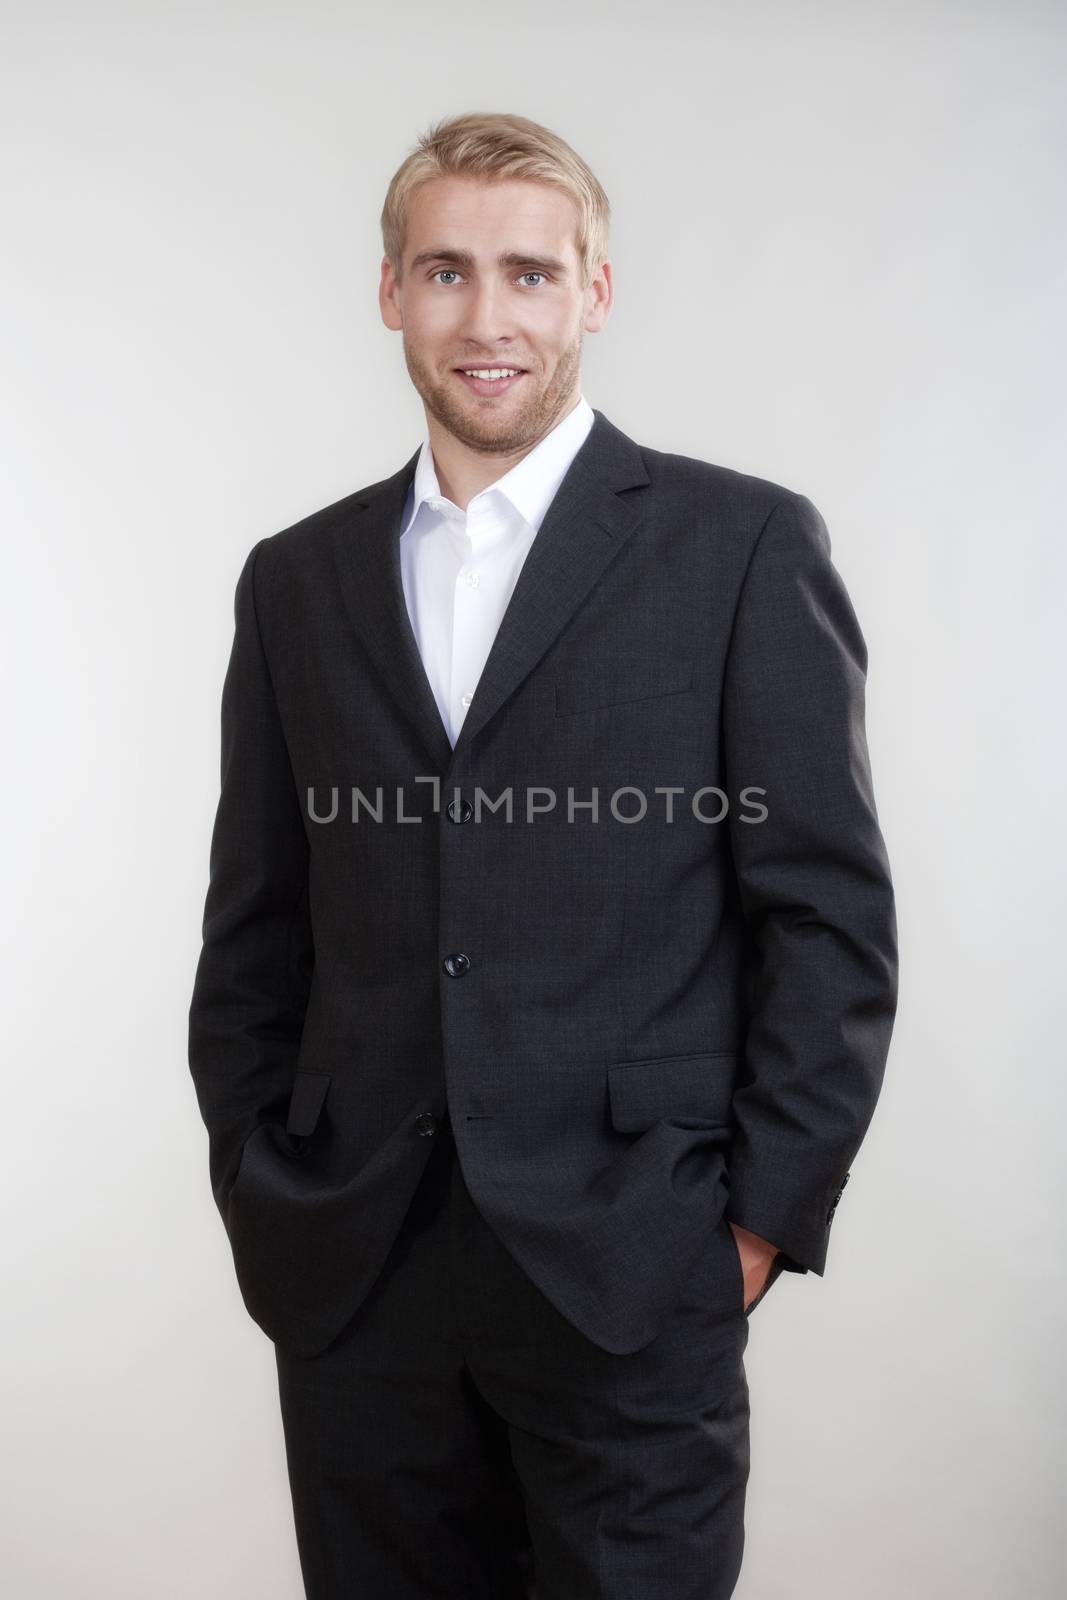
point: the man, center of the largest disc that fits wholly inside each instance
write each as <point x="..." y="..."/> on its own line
<point x="549" y="961"/>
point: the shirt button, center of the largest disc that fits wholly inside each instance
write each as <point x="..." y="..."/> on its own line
<point x="467" y="698"/>
<point x="472" y="580"/>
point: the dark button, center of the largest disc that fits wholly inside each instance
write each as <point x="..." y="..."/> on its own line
<point x="837" y="1196"/>
<point x="457" y="965"/>
<point x="464" y="813"/>
<point x="425" y="1123"/>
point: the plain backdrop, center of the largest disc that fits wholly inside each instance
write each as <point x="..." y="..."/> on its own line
<point x="838" y="254"/>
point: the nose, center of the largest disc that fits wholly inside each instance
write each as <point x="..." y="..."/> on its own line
<point x="488" y="319"/>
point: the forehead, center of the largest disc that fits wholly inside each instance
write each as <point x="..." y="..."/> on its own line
<point x="476" y="215"/>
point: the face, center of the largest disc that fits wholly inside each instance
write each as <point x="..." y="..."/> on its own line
<point x="459" y="306"/>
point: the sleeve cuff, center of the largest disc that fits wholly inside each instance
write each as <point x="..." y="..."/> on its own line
<point x="801" y="1230"/>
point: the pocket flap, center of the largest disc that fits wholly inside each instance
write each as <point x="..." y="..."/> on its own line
<point x="611" y="681"/>
<point x="309" y="1093"/>
<point x="686" y="1088"/>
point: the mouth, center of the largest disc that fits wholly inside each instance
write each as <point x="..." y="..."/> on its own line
<point x="490" y="386"/>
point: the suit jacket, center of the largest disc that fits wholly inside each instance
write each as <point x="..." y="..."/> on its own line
<point x="635" y="1025"/>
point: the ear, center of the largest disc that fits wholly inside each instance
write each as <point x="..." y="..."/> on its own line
<point x="599" y="297"/>
<point x="389" y="297"/>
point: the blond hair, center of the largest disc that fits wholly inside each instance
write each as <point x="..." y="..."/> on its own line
<point x="492" y="147"/>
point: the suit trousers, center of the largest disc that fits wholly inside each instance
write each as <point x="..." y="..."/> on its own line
<point x="460" y="1438"/>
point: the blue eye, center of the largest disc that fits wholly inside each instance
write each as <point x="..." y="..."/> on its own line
<point x="450" y="272"/>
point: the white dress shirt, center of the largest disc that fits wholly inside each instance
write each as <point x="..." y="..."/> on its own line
<point x="459" y="568"/>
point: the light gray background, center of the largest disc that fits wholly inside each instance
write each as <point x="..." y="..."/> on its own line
<point x="838" y="253"/>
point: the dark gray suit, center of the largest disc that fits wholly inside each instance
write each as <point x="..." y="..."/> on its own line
<point x="639" y="1028"/>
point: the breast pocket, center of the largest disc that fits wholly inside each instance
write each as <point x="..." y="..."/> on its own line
<point x="615" y="682"/>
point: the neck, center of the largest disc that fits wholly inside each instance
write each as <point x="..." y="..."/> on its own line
<point x="462" y="472"/>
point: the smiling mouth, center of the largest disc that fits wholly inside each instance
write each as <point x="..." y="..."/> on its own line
<point x="491" y="386"/>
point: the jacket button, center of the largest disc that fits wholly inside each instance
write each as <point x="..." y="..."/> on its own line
<point x="837" y="1196"/>
<point x="461" y="814"/>
<point x="456" y="965"/>
<point x="425" y="1123"/>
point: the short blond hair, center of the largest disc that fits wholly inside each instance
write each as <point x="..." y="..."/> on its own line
<point x="494" y="147"/>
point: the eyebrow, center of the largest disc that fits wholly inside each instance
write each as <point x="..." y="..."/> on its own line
<point x="506" y="258"/>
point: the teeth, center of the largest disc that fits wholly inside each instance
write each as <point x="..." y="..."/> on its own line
<point x="491" y="372"/>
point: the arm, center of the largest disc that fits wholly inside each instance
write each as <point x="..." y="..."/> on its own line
<point x="815" y="889"/>
<point x="254" y="972"/>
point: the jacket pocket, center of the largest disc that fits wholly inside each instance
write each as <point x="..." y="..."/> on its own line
<point x="614" y="682"/>
<point x="690" y="1088"/>
<point x="306" y="1103"/>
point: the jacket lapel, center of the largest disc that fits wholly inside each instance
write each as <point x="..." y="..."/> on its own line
<point x="581" y="533"/>
<point x="366" y="544"/>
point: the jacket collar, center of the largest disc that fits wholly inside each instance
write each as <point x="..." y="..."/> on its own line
<point x="583" y="530"/>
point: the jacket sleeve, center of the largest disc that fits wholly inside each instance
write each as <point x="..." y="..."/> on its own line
<point x="253" y="976"/>
<point x="815" y="889"/>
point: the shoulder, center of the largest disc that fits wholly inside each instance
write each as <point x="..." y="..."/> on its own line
<point x="317" y="525"/>
<point x="302" y="546"/>
<point x="742" y="503"/>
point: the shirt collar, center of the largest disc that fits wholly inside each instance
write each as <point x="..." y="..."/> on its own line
<point x="530" y="485"/>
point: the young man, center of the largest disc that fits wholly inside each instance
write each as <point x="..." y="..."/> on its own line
<point x="549" y="961"/>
